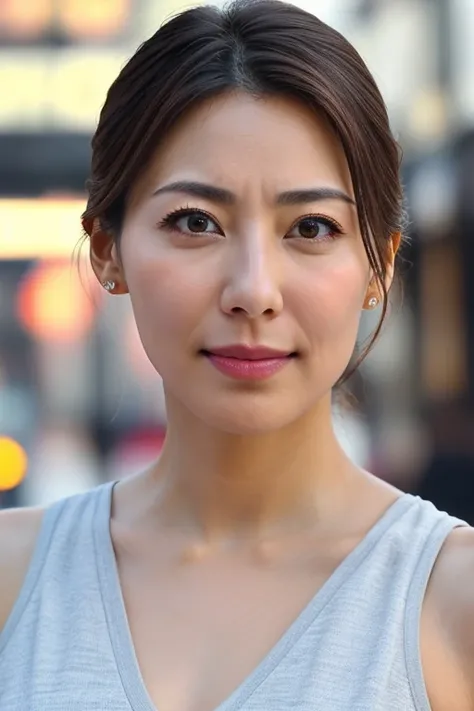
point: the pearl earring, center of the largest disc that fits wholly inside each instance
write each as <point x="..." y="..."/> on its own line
<point x="373" y="302"/>
<point x="108" y="285"/>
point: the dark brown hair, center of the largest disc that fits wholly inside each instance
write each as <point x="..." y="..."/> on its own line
<point x="264" y="47"/>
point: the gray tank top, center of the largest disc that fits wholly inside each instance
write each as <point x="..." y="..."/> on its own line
<point x="67" y="645"/>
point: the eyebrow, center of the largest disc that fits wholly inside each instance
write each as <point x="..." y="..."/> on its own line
<point x="226" y="197"/>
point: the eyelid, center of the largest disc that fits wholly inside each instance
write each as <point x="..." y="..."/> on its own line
<point x="170" y="219"/>
<point x="328" y="221"/>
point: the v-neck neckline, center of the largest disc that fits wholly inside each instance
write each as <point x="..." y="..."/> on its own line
<point x="119" y="628"/>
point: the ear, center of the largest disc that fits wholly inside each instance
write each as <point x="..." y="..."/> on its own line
<point x="104" y="256"/>
<point x="392" y="249"/>
<point x="374" y="291"/>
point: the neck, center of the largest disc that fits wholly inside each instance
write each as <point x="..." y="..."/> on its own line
<point x="226" y="485"/>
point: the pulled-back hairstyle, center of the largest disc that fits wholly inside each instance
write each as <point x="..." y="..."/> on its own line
<point x="266" y="48"/>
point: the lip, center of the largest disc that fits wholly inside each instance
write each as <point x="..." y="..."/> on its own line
<point x="244" y="352"/>
<point x="243" y="362"/>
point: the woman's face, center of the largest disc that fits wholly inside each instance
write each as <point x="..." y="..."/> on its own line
<point x="244" y="233"/>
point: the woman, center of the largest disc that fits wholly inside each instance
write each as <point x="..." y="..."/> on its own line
<point x="245" y="193"/>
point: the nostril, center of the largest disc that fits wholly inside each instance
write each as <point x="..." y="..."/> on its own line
<point x="240" y="310"/>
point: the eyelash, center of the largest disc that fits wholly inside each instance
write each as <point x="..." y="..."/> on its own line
<point x="334" y="226"/>
<point x="170" y="220"/>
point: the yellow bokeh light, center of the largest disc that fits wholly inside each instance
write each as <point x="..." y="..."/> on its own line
<point x="13" y="463"/>
<point x="39" y="228"/>
<point x="102" y="18"/>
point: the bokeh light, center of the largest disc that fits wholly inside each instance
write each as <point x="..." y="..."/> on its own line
<point x="25" y="19"/>
<point x="13" y="463"/>
<point x="53" y="304"/>
<point x="94" y="19"/>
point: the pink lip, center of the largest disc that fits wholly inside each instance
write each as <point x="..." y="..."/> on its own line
<point x="248" y="362"/>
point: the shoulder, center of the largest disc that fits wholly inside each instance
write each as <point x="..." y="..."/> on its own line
<point x="450" y="599"/>
<point x="452" y="583"/>
<point x="19" y="529"/>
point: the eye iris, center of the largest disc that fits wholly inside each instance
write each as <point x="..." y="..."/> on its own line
<point x="309" y="228"/>
<point x="197" y="223"/>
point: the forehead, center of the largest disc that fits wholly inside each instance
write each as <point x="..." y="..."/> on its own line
<point x="238" y="141"/>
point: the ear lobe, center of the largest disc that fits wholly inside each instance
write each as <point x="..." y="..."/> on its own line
<point x="104" y="257"/>
<point x="374" y="290"/>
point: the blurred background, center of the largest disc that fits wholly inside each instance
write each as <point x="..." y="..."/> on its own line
<point x="79" y="403"/>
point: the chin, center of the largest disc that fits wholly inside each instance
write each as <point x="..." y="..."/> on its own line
<point x="249" y="414"/>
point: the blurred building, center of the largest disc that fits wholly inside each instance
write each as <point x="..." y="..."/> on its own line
<point x="68" y="395"/>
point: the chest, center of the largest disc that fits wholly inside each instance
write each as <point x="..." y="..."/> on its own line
<point x="246" y="637"/>
<point x="322" y="661"/>
<point x="202" y="633"/>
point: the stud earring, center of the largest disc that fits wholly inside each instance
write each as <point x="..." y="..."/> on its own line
<point x="373" y="302"/>
<point x="108" y="285"/>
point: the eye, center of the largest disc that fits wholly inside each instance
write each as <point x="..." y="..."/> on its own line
<point x="191" y="222"/>
<point x="315" y="228"/>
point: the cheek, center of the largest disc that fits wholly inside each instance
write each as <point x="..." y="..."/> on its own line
<point x="331" y="300"/>
<point x="168" y="300"/>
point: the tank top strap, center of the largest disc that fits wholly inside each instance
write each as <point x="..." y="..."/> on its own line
<point x="432" y="544"/>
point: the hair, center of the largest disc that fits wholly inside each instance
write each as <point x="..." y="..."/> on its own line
<point x="266" y="48"/>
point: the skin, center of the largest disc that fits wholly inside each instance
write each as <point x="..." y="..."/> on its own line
<point x="253" y="499"/>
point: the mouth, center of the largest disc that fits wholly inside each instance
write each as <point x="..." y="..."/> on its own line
<point x="242" y="362"/>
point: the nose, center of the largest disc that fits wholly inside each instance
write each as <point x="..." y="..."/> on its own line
<point x="253" y="287"/>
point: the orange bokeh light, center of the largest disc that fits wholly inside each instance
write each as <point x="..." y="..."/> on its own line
<point x="25" y="19"/>
<point x="54" y="305"/>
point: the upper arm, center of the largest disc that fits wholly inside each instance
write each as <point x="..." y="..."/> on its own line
<point x="450" y="607"/>
<point x="462" y="601"/>
<point x="19" y="530"/>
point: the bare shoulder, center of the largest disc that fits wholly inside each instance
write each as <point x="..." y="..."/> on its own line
<point x="450" y="597"/>
<point x="19" y="530"/>
<point x="452" y="583"/>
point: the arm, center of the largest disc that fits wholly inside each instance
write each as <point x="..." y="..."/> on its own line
<point x="18" y="532"/>
<point x="447" y="630"/>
